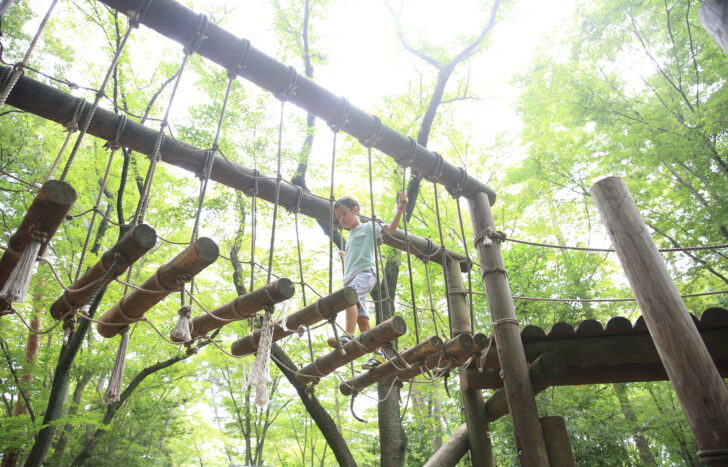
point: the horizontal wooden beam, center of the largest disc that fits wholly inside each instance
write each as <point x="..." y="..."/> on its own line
<point x="50" y="103"/>
<point x="322" y="309"/>
<point x="179" y="23"/>
<point x="452" y="351"/>
<point x="366" y="342"/>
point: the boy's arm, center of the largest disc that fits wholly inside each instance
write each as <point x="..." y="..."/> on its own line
<point x="392" y="226"/>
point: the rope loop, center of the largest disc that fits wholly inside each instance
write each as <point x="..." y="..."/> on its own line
<point x="202" y="173"/>
<point x="372" y="140"/>
<point x="242" y="62"/>
<point x="115" y="145"/>
<point x="137" y="16"/>
<point x="457" y="190"/>
<point x="194" y="42"/>
<point x="72" y="125"/>
<point x="505" y="321"/>
<point x="184" y="277"/>
<point x="411" y="153"/>
<point x="291" y="86"/>
<point x="434" y="177"/>
<point x="343" y="117"/>
<point x="299" y="197"/>
<point x="38" y="234"/>
<point x="488" y="235"/>
<point x="254" y="190"/>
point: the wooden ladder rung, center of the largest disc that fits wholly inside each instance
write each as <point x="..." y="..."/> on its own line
<point x="452" y="351"/>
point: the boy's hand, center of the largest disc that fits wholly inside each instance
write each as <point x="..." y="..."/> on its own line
<point x="342" y="254"/>
<point x="402" y="202"/>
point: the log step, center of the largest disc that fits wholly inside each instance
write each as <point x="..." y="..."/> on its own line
<point x="322" y="309"/>
<point x="367" y="341"/>
<point x="167" y="279"/>
<point x="414" y="354"/>
<point x="131" y="247"/>
<point x="242" y="307"/>
<point x="452" y="351"/>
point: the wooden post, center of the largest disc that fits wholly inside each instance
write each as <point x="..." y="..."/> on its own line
<point x="45" y="214"/>
<point x="557" y="441"/>
<point x="366" y="342"/>
<point x="52" y="104"/>
<point x="481" y="451"/>
<point x="131" y="246"/>
<point x="419" y="352"/>
<point x="167" y="279"/>
<point x="452" y="450"/>
<point x="699" y="387"/>
<point x="713" y="15"/>
<point x="242" y="307"/>
<point x="459" y="311"/>
<point x="524" y="413"/>
<point x="322" y="309"/>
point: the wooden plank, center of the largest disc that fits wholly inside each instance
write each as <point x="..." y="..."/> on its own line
<point x="699" y="387"/>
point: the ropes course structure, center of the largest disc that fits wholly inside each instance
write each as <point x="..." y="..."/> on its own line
<point x="524" y="361"/>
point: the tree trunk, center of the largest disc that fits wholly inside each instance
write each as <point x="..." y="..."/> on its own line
<point x="60" y="445"/>
<point x="620" y="390"/>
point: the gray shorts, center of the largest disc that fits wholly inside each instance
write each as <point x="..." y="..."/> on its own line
<point x="363" y="283"/>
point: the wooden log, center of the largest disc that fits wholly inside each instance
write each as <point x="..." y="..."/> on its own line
<point x="622" y="373"/>
<point x="176" y="22"/>
<point x="452" y="351"/>
<point x="472" y="379"/>
<point x="416" y="353"/>
<point x="713" y="318"/>
<point x="131" y="247"/>
<point x="452" y="450"/>
<point x="508" y="337"/>
<point x="322" y="309"/>
<point x="366" y="342"/>
<point x="699" y="387"/>
<point x="545" y="371"/>
<point x="481" y="450"/>
<point x="47" y="102"/>
<point x="459" y="310"/>
<point x="557" y="441"/>
<point x="242" y="307"/>
<point x="167" y="279"/>
<point x="45" y="214"/>
<point x="713" y="15"/>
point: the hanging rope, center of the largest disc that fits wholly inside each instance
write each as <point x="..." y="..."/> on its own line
<point x="71" y="128"/>
<point x="19" y="68"/>
<point x="113" y="146"/>
<point x="467" y="256"/>
<point x="102" y="88"/>
<point x="435" y="180"/>
<point x="409" y="260"/>
<point x="300" y="268"/>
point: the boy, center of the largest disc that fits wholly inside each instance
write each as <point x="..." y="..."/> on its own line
<point x="359" y="265"/>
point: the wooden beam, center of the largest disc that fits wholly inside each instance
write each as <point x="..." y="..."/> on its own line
<point x="452" y="450"/>
<point x="459" y="310"/>
<point x="47" y="102"/>
<point x="167" y="279"/>
<point x="524" y="414"/>
<point x="242" y="307"/>
<point x="699" y="387"/>
<point x="178" y="22"/>
<point x="452" y="351"/>
<point x="131" y="247"/>
<point x="323" y="309"/>
<point x="557" y="441"/>
<point x="366" y="342"/>
<point x="416" y="353"/>
<point x="713" y="15"/>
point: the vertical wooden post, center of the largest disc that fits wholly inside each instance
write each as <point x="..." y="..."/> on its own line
<point x="699" y="387"/>
<point x="516" y="381"/>
<point x="478" y="440"/>
<point x="459" y="311"/>
<point x="557" y="441"/>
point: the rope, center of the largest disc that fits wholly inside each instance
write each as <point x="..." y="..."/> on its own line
<point x="409" y="262"/>
<point x="18" y="68"/>
<point x="278" y="183"/>
<point x="442" y="249"/>
<point x="300" y="267"/>
<point x="719" y="246"/>
<point x="331" y="214"/>
<point x="343" y="118"/>
<point x="467" y="255"/>
<point x="114" y="145"/>
<point x="377" y="252"/>
<point x="71" y="127"/>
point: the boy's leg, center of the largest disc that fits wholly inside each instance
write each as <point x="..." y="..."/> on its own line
<point x="363" y="322"/>
<point x="351" y="319"/>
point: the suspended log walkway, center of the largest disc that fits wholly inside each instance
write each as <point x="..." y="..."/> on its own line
<point x="323" y="309"/>
<point x="167" y="279"/>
